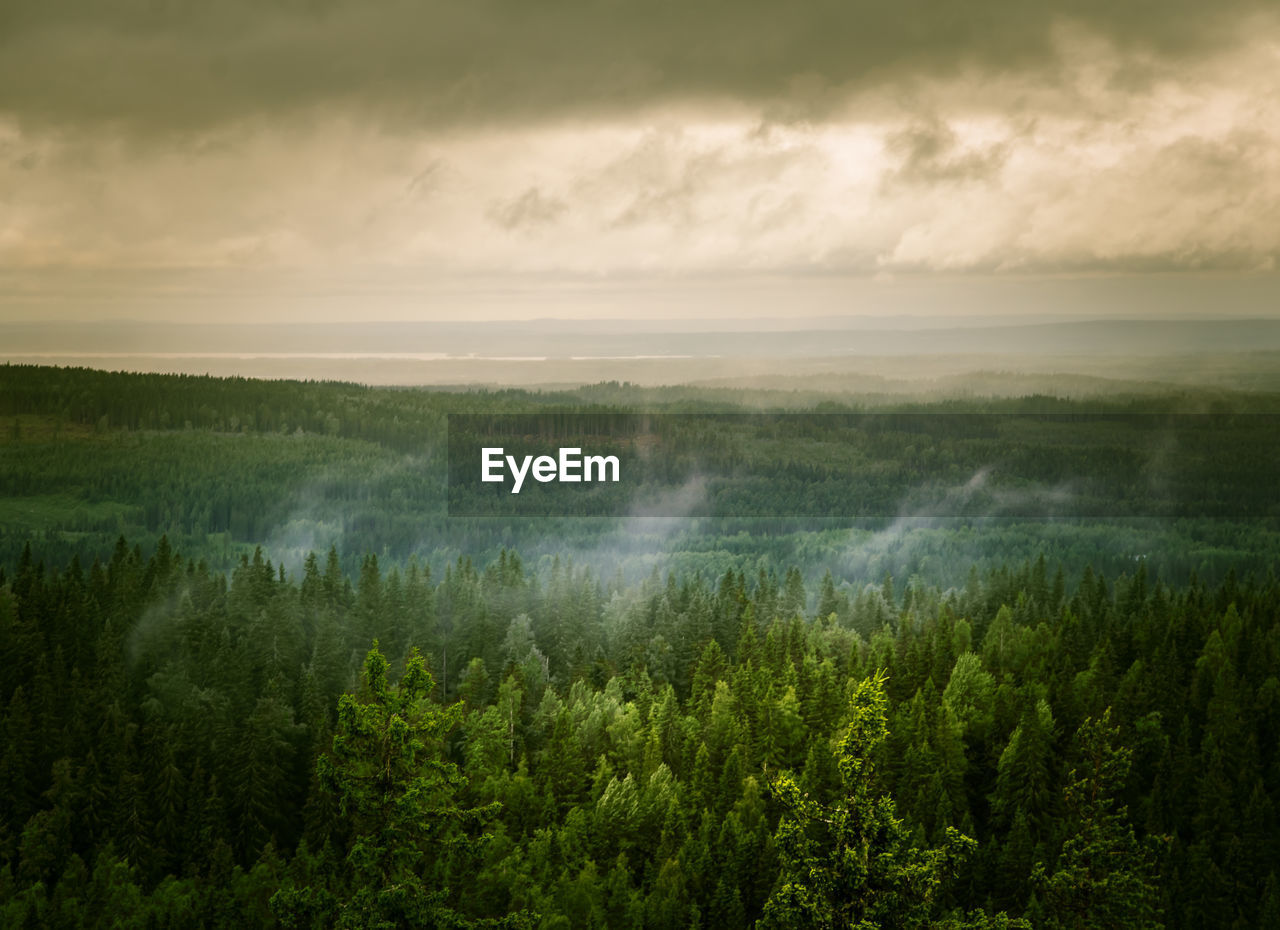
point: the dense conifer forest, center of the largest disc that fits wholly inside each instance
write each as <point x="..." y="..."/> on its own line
<point x="223" y="465"/>
<point x="210" y="720"/>
<point x="187" y="749"/>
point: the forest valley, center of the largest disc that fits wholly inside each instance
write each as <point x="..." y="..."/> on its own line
<point x="253" y="674"/>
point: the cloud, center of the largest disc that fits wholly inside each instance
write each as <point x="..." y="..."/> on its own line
<point x="327" y="142"/>
<point x="930" y="152"/>
<point x="182" y="65"/>
<point x="529" y="210"/>
<point x="1166" y="188"/>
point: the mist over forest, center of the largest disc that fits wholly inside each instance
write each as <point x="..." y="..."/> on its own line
<point x="935" y="347"/>
<point x="226" y="603"/>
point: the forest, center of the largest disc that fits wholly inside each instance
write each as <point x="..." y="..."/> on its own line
<point x="223" y="465"/>
<point x="252" y="674"/>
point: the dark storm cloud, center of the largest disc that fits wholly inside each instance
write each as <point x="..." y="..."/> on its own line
<point x="173" y="64"/>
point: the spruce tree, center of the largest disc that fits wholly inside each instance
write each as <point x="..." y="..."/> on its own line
<point x="1104" y="877"/>
<point x="397" y="790"/>
<point x="853" y="864"/>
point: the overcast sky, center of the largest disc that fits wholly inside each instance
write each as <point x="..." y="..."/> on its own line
<point x="400" y="159"/>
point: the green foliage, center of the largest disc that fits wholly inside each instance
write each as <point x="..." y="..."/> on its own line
<point x="221" y="465"/>
<point x="853" y="864"/>
<point x="194" y="733"/>
<point x="398" y="797"/>
<point x="1104" y="877"/>
<point x="209" y="750"/>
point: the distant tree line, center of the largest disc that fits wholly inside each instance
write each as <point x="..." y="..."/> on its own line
<point x="221" y="465"/>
